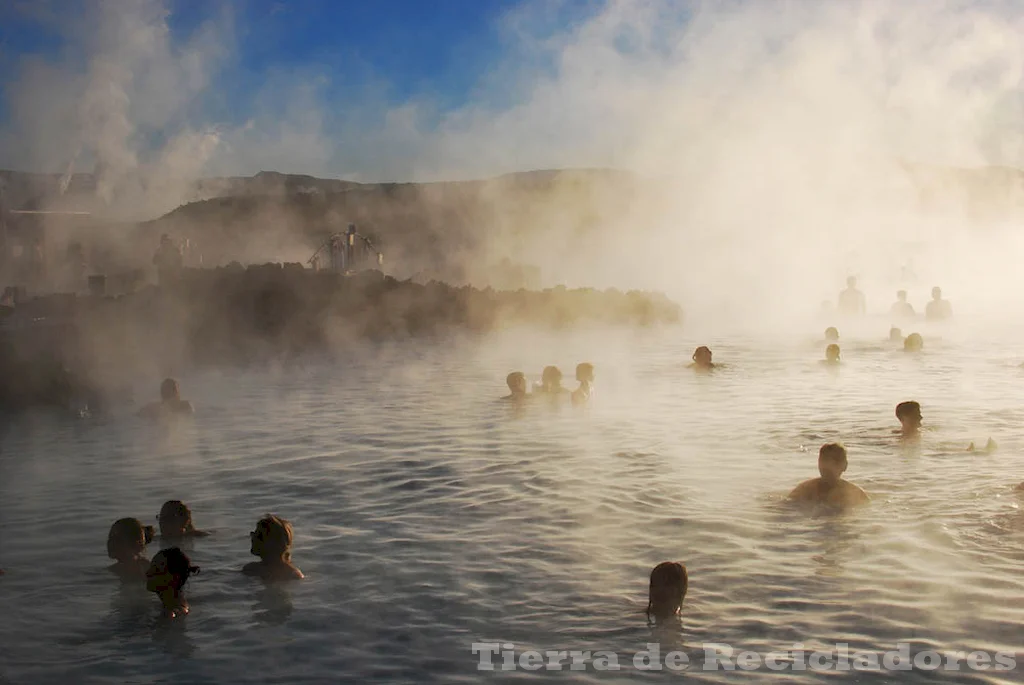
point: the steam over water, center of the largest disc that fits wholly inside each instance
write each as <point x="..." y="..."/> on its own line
<point x="429" y="516"/>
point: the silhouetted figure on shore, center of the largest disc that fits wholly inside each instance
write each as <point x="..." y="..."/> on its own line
<point x="517" y="387"/>
<point x="168" y="260"/>
<point x="938" y="309"/>
<point x="170" y="403"/>
<point x="851" y="300"/>
<point x="166" y="577"/>
<point x="585" y="376"/>
<point x="702" y="359"/>
<point x="830" y="489"/>
<point x="901" y="309"/>
<point x="669" y="582"/>
<point x="913" y="343"/>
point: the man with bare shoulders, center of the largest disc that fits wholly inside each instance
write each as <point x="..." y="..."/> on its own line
<point x="170" y="403"/>
<point x="830" y="489"/>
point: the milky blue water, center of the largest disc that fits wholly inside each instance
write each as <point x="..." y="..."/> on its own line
<point x="429" y="516"/>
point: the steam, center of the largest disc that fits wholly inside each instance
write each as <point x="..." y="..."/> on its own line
<point x="774" y="148"/>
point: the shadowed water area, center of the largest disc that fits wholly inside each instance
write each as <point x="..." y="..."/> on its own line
<point x="429" y="516"/>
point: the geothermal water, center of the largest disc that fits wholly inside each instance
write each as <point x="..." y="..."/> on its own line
<point x="430" y="516"/>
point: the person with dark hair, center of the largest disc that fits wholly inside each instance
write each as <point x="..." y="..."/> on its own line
<point x="830" y="489"/>
<point x="166" y="576"/>
<point x="175" y="521"/>
<point x="909" y="415"/>
<point x="517" y="387"/>
<point x="272" y="543"/>
<point x="702" y="359"/>
<point x="170" y="403"/>
<point x="585" y="376"/>
<point x="551" y="382"/>
<point x="126" y="543"/>
<point x="669" y="582"/>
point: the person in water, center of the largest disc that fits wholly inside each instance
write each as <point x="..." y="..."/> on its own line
<point x="176" y="521"/>
<point x="170" y="403"/>
<point x="551" y="381"/>
<point x="913" y="343"/>
<point x="166" y="576"/>
<point x="516" y="386"/>
<point x="901" y="309"/>
<point x="669" y="582"/>
<point x="126" y="543"/>
<point x="832" y="334"/>
<point x="938" y="309"/>
<point x="895" y="335"/>
<point x="851" y="300"/>
<point x="585" y="376"/>
<point x="272" y="543"/>
<point x="832" y="354"/>
<point x="702" y="359"/>
<point x="909" y="415"/>
<point x="830" y="489"/>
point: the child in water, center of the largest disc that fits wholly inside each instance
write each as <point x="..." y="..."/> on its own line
<point x="166" y="576"/>
<point x="170" y="403"/>
<point x="669" y="583"/>
<point x="272" y="543"/>
<point x="585" y="375"/>
<point x="126" y="542"/>
<point x="175" y="520"/>
<point x="830" y="489"/>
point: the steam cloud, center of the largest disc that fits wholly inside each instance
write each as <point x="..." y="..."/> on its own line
<point x="777" y="147"/>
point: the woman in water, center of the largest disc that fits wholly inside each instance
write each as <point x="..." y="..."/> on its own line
<point x="669" y="582"/>
<point x="175" y="520"/>
<point x="126" y="543"/>
<point x="166" y="576"/>
<point x="272" y="543"/>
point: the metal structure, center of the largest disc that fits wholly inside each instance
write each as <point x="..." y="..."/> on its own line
<point x="346" y="252"/>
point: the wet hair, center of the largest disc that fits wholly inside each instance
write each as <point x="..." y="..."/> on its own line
<point x="551" y="374"/>
<point x="914" y="341"/>
<point x="176" y="509"/>
<point x="832" y="348"/>
<point x="831" y="333"/>
<point x="584" y="371"/>
<point x="832" y="451"/>
<point x="169" y="389"/>
<point x="669" y="582"/>
<point x="127" y="532"/>
<point x="277" y="535"/>
<point x="907" y="408"/>
<point x="516" y="379"/>
<point x="178" y="564"/>
<point x="700" y="350"/>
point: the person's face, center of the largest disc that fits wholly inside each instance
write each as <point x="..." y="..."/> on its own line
<point x="173" y="524"/>
<point x="158" y="577"/>
<point x="830" y="468"/>
<point x="703" y="357"/>
<point x="912" y="418"/>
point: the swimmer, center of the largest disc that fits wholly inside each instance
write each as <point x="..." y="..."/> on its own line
<point x="851" y="300"/>
<point x="901" y="309"/>
<point x="175" y="520"/>
<point x="909" y="415"/>
<point x="170" y="402"/>
<point x="913" y="343"/>
<point x="702" y="359"/>
<point x="669" y="582"/>
<point x="830" y="489"/>
<point x="938" y="309"/>
<point x="551" y="381"/>
<point x="166" y="576"/>
<point x="990" y="447"/>
<point x="272" y="543"/>
<point x="126" y="542"/>
<point x="585" y="376"/>
<point x="895" y="335"/>
<point x="832" y="334"/>
<point x="517" y="387"/>
<point x="832" y="354"/>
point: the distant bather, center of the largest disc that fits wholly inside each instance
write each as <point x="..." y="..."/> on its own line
<point x="938" y="309"/>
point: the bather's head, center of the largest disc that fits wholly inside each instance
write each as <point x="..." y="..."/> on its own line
<point x="669" y="583"/>
<point x="127" y="539"/>
<point x="272" y="539"/>
<point x="175" y="519"/>
<point x="832" y="333"/>
<point x="169" y="571"/>
<point x="832" y="462"/>
<point x="551" y="378"/>
<point x="702" y="356"/>
<point x="909" y="415"/>
<point x="936" y="293"/>
<point x="516" y="383"/>
<point x="169" y="390"/>
<point x="585" y="372"/>
<point x="913" y="343"/>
